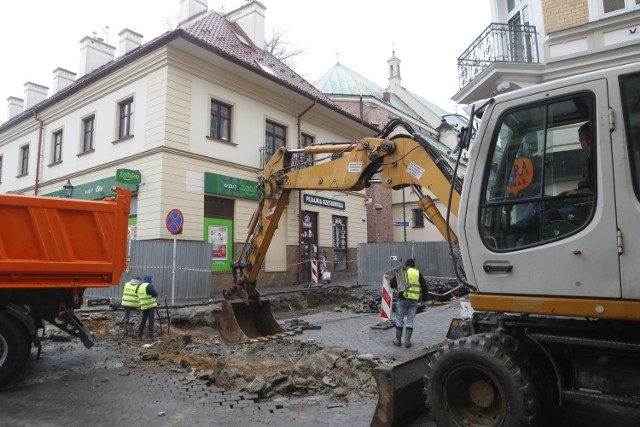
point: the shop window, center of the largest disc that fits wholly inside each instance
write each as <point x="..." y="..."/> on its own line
<point x="340" y="244"/>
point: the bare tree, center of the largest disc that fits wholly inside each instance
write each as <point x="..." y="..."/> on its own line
<point x="278" y="46"/>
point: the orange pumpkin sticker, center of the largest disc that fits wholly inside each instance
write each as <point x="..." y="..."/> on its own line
<point x="521" y="175"/>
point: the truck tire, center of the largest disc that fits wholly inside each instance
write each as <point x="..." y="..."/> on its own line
<point x="476" y="382"/>
<point x="14" y="348"/>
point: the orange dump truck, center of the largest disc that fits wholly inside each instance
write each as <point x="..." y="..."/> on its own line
<point x="51" y="250"/>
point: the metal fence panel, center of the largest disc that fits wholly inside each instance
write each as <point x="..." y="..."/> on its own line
<point x="155" y="258"/>
<point x="375" y="259"/>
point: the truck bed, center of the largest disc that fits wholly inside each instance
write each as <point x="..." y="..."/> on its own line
<point x="48" y="242"/>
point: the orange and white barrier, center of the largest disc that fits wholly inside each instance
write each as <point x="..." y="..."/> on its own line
<point x="314" y="272"/>
<point x="386" y="300"/>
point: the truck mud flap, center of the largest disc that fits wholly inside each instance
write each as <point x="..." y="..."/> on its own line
<point x="400" y="396"/>
<point x="242" y="322"/>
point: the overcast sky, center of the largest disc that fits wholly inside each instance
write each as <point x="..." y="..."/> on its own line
<point x="38" y="36"/>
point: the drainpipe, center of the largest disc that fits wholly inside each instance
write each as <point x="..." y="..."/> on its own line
<point x="41" y="128"/>
<point x="315" y="101"/>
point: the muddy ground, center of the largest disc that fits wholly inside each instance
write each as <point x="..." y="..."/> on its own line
<point x="272" y="369"/>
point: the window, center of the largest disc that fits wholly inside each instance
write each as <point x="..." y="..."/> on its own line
<point x="306" y="141"/>
<point x="618" y="6"/>
<point x="418" y="218"/>
<point x="275" y="137"/>
<point x="24" y="160"/>
<point x="220" y="121"/>
<point x="88" y="125"/>
<point x="125" y="109"/>
<point x="1" y="158"/>
<point x="629" y="89"/>
<point x="339" y="225"/>
<point x="56" y="156"/>
<point x="540" y="185"/>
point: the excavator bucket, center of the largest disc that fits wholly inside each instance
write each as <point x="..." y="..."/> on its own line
<point x="400" y="395"/>
<point x="242" y="322"/>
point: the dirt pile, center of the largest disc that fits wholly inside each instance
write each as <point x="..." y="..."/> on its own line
<point x="281" y="368"/>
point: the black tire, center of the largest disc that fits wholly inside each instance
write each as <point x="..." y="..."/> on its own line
<point x="476" y="382"/>
<point x="14" y="348"/>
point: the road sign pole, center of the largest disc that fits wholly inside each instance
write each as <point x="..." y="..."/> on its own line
<point x="173" y="272"/>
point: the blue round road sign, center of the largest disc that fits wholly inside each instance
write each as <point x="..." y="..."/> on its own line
<point x="175" y="220"/>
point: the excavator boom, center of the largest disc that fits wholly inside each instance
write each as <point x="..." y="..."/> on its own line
<point x="395" y="162"/>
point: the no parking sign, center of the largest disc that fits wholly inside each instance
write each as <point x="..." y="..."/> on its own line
<point x="175" y="221"/>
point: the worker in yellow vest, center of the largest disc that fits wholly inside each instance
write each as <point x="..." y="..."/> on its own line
<point x="408" y="301"/>
<point x="131" y="303"/>
<point x="148" y="304"/>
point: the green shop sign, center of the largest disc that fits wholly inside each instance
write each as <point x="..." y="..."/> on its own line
<point x="128" y="176"/>
<point x="95" y="190"/>
<point x="229" y="186"/>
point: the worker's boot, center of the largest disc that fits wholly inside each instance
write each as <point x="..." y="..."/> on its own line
<point x="407" y="339"/>
<point x="398" y="340"/>
<point x="130" y="329"/>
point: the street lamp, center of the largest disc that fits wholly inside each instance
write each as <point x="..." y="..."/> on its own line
<point x="68" y="189"/>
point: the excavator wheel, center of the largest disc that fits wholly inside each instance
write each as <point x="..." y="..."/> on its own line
<point x="477" y="382"/>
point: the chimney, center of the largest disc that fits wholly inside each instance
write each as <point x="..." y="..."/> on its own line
<point x="61" y="79"/>
<point x="94" y="53"/>
<point x="34" y="94"/>
<point x="250" y="18"/>
<point x="191" y="8"/>
<point x="129" y="40"/>
<point x="386" y="96"/>
<point x="15" y="107"/>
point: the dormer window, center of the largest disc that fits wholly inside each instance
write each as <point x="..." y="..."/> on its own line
<point x="265" y="68"/>
<point x="242" y="39"/>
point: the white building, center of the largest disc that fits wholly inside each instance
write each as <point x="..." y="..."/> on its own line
<point x="185" y="121"/>
<point x="533" y="41"/>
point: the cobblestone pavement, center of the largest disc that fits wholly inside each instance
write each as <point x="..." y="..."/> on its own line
<point x="108" y="385"/>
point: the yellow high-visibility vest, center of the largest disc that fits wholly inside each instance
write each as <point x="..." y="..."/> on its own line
<point x="130" y="296"/>
<point x="413" y="280"/>
<point x="146" y="301"/>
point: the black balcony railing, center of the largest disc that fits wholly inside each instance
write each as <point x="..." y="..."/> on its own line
<point x="298" y="160"/>
<point x="498" y="43"/>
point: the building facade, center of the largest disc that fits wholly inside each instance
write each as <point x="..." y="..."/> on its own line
<point x="186" y="122"/>
<point x="394" y="216"/>
<point x="533" y="41"/>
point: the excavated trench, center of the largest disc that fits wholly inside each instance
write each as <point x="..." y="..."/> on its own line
<point x="281" y="368"/>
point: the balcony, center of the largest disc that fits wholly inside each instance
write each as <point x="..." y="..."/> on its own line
<point x="503" y="43"/>
<point x="298" y="160"/>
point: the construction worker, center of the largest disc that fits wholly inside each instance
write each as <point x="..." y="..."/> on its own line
<point x="131" y="303"/>
<point x="408" y="301"/>
<point x="148" y="304"/>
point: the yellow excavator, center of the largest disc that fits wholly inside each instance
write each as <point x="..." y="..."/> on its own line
<point x="547" y="242"/>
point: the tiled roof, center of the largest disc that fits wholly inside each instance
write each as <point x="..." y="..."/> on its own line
<point x="212" y="32"/>
<point x="217" y="32"/>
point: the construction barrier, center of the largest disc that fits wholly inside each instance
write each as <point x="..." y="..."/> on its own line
<point x="314" y="272"/>
<point x="386" y="300"/>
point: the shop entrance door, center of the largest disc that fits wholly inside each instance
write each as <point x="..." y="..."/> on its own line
<point x="308" y="242"/>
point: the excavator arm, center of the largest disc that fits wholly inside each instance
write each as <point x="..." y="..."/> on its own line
<point x="394" y="162"/>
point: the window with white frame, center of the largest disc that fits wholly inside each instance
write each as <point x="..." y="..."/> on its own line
<point x="1" y="158"/>
<point x="125" y="123"/>
<point x="220" y="121"/>
<point x="24" y="160"/>
<point x="275" y="137"/>
<point x="56" y="155"/>
<point x="88" y="127"/>
<point x="605" y="8"/>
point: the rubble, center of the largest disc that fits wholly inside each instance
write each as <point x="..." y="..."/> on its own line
<point x="270" y="369"/>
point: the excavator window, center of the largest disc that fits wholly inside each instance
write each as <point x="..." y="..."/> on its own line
<point x="539" y="182"/>
<point x="630" y="91"/>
